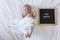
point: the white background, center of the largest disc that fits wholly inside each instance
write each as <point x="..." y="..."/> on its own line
<point x="10" y="9"/>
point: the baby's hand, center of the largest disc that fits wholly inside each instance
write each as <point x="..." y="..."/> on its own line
<point x="28" y="35"/>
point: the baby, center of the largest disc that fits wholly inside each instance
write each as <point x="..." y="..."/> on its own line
<point x="30" y="14"/>
<point x="26" y="24"/>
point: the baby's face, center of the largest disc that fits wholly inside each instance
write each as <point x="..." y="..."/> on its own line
<point x="27" y="9"/>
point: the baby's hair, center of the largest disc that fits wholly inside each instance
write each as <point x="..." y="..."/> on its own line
<point x="27" y="6"/>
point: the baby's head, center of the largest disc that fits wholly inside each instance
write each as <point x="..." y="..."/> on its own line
<point x="27" y="8"/>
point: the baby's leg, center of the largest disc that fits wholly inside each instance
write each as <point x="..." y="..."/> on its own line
<point x="29" y="34"/>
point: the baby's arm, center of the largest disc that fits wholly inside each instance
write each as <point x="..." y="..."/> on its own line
<point x="23" y="15"/>
<point x="33" y="13"/>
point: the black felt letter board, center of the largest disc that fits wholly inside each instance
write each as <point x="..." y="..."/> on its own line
<point x="47" y="16"/>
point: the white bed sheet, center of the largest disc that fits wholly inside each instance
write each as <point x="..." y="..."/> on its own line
<point x="10" y="11"/>
<point x="10" y="14"/>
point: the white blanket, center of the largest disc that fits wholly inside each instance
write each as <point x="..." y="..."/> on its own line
<point x="24" y="25"/>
